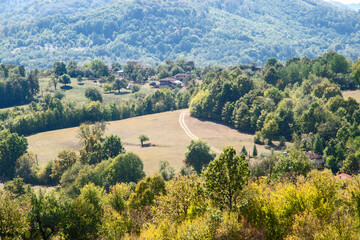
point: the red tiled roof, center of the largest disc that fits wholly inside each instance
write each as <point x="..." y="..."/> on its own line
<point x="344" y="176"/>
<point x="313" y="155"/>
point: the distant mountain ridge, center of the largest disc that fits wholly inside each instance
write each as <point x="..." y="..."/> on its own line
<point x="208" y="31"/>
<point x="352" y="7"/>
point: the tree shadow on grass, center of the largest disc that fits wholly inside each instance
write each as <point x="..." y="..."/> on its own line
<point x="146" y="145"/>
<point x="122" y="93"/>
<point x="66" y="88"/>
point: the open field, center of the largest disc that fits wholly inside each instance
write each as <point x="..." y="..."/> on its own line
<point x="76" y="92"/>
<point x="165" y="133"/>
<point x="354" y="94"/>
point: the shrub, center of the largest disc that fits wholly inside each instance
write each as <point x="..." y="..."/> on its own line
<point x="93" y="94"/>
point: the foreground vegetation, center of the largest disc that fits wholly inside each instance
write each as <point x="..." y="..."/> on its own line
<point x="318" y="206"/>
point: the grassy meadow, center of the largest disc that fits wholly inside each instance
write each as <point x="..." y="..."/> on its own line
<point x="76" y="92"/>
<point x="168" y="140"/>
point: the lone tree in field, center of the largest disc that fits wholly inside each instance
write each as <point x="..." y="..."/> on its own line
<point x="80" y="80"/>
<point x="225" y="178"/>
<point x="143" y="138"/>
<point x="244" y="151"/>
<point x="65" y="79"/>
<point x="198" y="155"/>
<point x="255" y="152"/>
<point x="119" y="84"/>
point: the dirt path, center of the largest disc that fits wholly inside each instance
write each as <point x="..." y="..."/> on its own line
<point x="189" y="133"/>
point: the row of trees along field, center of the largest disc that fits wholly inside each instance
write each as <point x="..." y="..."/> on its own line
<point x="52" y="113"/>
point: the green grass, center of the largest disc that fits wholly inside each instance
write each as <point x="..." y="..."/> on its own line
<point x="169" y="141"/>
<point x="76" y="92"/>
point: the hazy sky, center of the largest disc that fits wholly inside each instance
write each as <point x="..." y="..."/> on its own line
<point x="347" y="1"/>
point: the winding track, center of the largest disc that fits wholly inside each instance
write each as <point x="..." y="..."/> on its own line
<point x="190" y="134"/>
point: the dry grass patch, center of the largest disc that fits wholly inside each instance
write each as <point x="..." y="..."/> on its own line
<point x="354" y="94"/>
<point x="168" y="140"/>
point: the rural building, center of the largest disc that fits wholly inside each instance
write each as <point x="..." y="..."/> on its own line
<point x="120" y="73"/>
<point x="343" y="176"/>
<point x="182" y="76"/>
<point x="144" y="67"/>
<point x="169" y="81"/>
<point x="256" y="68"/>
<point x="317" y="158"/>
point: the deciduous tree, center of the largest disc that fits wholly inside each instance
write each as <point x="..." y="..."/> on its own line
<point x="198" y="155"/>
<point x="225" y="178"/>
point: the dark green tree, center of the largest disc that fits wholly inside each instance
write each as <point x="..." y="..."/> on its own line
<point x="351" y="165"/>
<point x="59" y="68"/>
<point x="226" y="177"/>
<point x="112" y="146"/>
<point x="271" y="76"/>
<point x="244" y="151"/>
<point x="65" y="79"/>
<point x="99" y="68"/>
<point x="126" y="167"/>
<point x="318" y="145"/>
<point x="12" y="146"/>
<point x="255" y="152"/>
<point x="146" y="191"/>
<point x="198" y="155"/>
<point x="119" y="84"/>
<point x="83" y="215"/>
<point x="93" y="94"/>
<point x="72" y="69"/>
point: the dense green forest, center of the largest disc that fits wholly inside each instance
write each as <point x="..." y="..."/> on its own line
<point x="300" y="100"/>
<point x="228" y="32"/>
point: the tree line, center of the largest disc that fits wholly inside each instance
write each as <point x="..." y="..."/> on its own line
<point x="16" y="86"/>
<point x="300" y="100"/>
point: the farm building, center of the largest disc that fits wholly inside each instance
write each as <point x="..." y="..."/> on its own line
<point x="171" y="82"/>
<point x="317" y="158"/>
<point x="182" y="76"/>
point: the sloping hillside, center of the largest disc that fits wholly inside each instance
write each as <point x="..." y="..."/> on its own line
<point x="169" y="135"/>
<point x="209" y="31"/>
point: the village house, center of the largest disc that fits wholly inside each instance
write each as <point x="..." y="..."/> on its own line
<point x="169" y="81"/>
<point x="317" y="159"/>
<point x="120" y="73"/>
<point x="343" y="176"/>
<point x="182" y="76"/>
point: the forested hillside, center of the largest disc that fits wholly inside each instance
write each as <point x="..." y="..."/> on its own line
<point x="209" y="32"/>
